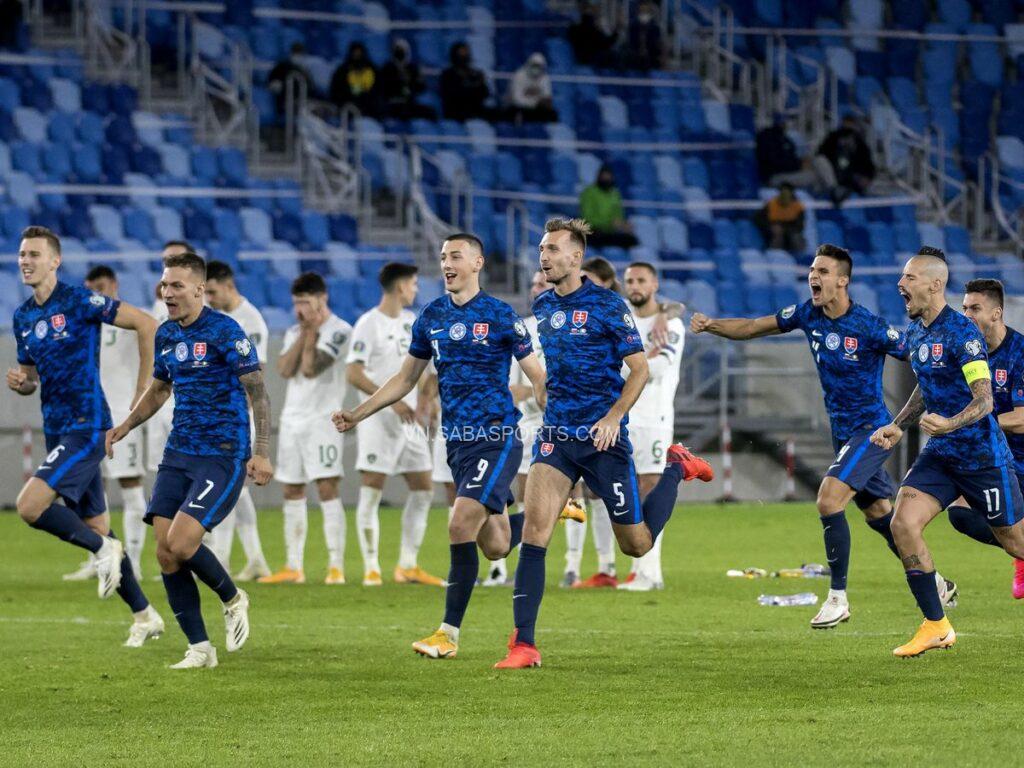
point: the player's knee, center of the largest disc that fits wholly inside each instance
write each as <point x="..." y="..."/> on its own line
<point x="28" y="509"/>
<point x="168" y="562"/>
<point x="181" y="549"/>
<point x="903" y="528"/>
<point x="327" y="489"/>
<point x="494" y="550"/>
<point x="958" y="518"/>
<point x="460" y="529"/>
<point x="635" y="548"/>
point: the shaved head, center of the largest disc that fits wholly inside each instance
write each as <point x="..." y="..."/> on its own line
<point x="931" y="268"/>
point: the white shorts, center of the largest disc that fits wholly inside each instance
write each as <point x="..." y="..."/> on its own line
<point x="308" y="449"/>
<point x="127" y="461"/>
<point x="442" y="473"/>
<point x="528" y="433"/>
<point x="390" y="447"/>
<point x="157" y="430"/>
<point x="650" y="444"/>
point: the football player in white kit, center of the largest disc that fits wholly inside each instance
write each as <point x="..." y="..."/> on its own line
<point x="222" y="295"/>
<point x="391" y="442"/>
<point x="309" y="447"/>
<point x="652" y="416"/>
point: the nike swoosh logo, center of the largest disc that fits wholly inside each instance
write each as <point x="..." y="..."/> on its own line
<point x="815" y="333"/>
<point x="434" y="331"/>
<point x="620" y="514"/>
<point x="192" y="505"/>
<point x="541" y="319"/>
<point x="832" y="559"/>
<point x="165" y="350"/>
<point x="472" y="485"/>
<point x="25" y="333"/>
<point x="516" y="597"/>
<point x="993" y="517"/>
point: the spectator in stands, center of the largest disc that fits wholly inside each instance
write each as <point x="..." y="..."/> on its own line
<point x="590" y="43"/>
<point x="288" y="68"/>
<point x="781" y="221"/>
<point x="529" y="95"/>
<point x="464" y="90"/>
<point x="601" y="206"/>
<point x="776" y="152"/>
<point x="399" y="83"/>
<point x="643" y="45"/>
<point x="850" y="159"/>
<point x="10" y="23"/>
<point x="354" y="81"/>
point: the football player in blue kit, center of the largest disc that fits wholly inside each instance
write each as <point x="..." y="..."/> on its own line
<point x="471" y="338"/>
<point x="966" y="454"/>
<point x="208" y="360"/>
<point x="849" y="345"/>
<point x="57" y="331"/>
<point x="983" y="303"/>
<point x="587" y="333"/>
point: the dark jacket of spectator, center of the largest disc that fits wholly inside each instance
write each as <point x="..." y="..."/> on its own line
<point x="644" y="44"/>
<point x="399" y="83"/>
<point x="288" y="68"/>
<point x="354" y="81"/>
<point x="590" y="43"/>
<point x="464" y="89"/>
<point x="850" y="156"/>
<point x="10" y="23"/>
<point x="776" y="152"/>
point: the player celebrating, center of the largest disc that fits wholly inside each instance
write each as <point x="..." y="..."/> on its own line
<point x="212" y="366"/>
<point x="983" y="303"/>
<point x="587" y="334"/>
<point x="651" y="418"/>
<point x="391" y="442"/>
<point x="471" y="338"/>
<point x="222" y="295"/>
<point x="849" y="345"/>
<point x="57" y="332"/>
<point x="966" y="454"/>
<point x="309" y="448"/>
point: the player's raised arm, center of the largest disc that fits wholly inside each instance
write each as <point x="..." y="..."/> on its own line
<point x="606" y="431"/>
<point x="980" y="406"/>
<point x="259" y="468"/>
<point x="152" y="400"/>
<point x="392" y="391"/>
<point x="888" y="436"/>
<point x="534" y="371"/>
<point x="24" y="379"/>
<point x="736" y="328"/>
<point x="313" y="360"/>
<point x="134" y="319"/>
<point x="291" y="356"/>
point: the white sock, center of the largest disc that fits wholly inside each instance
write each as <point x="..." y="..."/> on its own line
<point x="604" y="539"/>
<point x="334" y="532"/>
<point x="134" y="529"/>
<point x="221" y="538"/>
<point x="650" y="564"/>
<point x="295" y="524"/>
<point x="452" y="632"/>
<point x="520" y="506"/>
<point x="414" y="526"/>
<point x="500" y="565"/>
<point x="368" y="527"/>
<point x="575" y="538"/>
<point x="245" y="525"/>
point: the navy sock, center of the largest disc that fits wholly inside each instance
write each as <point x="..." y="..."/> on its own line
<point x="208" y="568"/>
<point x="528" y="591"/>
<point x="837" y="547"/>
<point x="973" y="524"/>
<point x="883" y="526"/>
<point x="67" y="526"/>
<point x="130" y="591"/>
<point x="926" y="592"/>
<point x="660" y="502"/>
<point x="515" y="522"/>
<point x="461" y="577"/>
<point x="183" y="597"/>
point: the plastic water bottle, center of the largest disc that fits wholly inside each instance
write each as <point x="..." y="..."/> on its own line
<point x="800" y="598"/>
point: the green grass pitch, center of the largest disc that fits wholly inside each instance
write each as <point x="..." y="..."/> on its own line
<point x="698" y="674"/>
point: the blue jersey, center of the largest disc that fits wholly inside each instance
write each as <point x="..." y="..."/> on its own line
<point x="61" y="338"/>
<point x="850" y="353"/>
<point x="946" y="356"/>
<point x="585" y="337"/>
<point x="1007" y="365"/>
<point x="203" y="363"/>
<point x="472" y="347"/>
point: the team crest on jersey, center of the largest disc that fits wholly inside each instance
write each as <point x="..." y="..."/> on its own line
<point x="832" y="341"/>
<point x="558" y="319"/>
<point x="457" y="332"/>
<point x="850" y="344"/>
<point x="480" y="331"/>
<point x="579" y="317"/>
<point x="546" y="449"/>
<point x="1000" y="377"/>
<point x="936" y="352"/>
<point x="199" y="350"/>
<point x="181" y="351"/>
<point x="59" y="323"/>
<point x="41" y="329"/>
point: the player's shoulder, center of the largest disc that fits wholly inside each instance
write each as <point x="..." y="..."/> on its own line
<point x="802" y="310"/>
<point x="333" y="324"/>
<point x="224" y="324"/>
<point x="435" y="307"/>
<point x="499" y="308"/>
<point x="959" y="325"/>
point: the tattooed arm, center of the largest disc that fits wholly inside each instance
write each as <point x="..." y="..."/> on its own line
<point x="979" y="407"/>
<point x="888" y="436"/>
<point x="259" y="468"/>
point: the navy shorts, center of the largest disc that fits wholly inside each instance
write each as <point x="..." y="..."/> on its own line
<point x="203" y="487"/>
<point x="72" y="469"/>
<point x="609" y="474"/>
<point x="484" y="470"/>
<point x="994" y="491"/>
<point x="861" y="465"/>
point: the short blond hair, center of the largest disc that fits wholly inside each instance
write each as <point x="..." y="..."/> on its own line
<point x="578" y="230"/>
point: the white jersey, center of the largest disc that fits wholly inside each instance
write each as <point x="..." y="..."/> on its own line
<point x="254" y="326"/>
<point x="159" y="313"/>
<point x="119" y="369"/>
<point x="656" y="405"/>
<point x="321" y="395"/>
<point x="381" y="343"/>
<point x="532" y="413"/>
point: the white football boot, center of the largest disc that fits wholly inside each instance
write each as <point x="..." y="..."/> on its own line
<point x="253" y="570"/>
<point x="86" y="571"/>
<point x="108" y="567"/>
<point x="834" y="611"/>
<point x="236" y="621"/>
<point x="640" y="583"/>
<point x="198" y="656"/>
<point x="151" y="626"/>
<point x="948" y="591"/>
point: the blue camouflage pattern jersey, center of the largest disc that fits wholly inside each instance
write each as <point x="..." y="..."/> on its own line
<point x="849" y="352"/>
<point x="61" y="338"/>
<point x="947" y="356"/>
<point x="1007" y="365"/>
<point x="585" y="336"/>
<point x="472" y="347"/>
<point x="203" y="363"/>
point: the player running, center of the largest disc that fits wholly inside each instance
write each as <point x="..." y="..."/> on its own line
<point x="966" y="454"/>
<point x="391" y="442"/>
<point x="471" y="338"/>
<point x="308" y="447"/>
<point x="587" y="334"/>
<point x="849" y="345"/>
<point x="222" y="295"/>
<point x="983" y="303"/>
<point x="212" y="366"/>
<point x="57" y="332"/>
